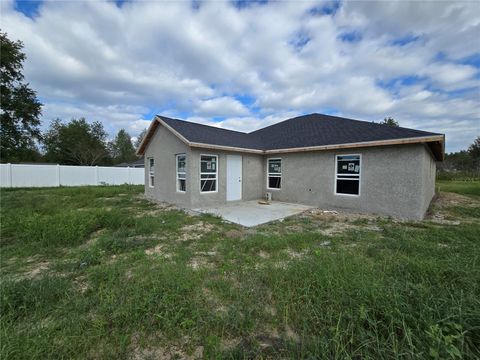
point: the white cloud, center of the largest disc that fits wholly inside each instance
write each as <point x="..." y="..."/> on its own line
<point x="220" y="106"/>
<point x="120" y="65"/>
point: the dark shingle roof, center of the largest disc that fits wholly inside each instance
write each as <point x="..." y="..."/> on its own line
<point x="302" y="131"/>
<point x="211" y="135"/>
<point x="320" y="130"/>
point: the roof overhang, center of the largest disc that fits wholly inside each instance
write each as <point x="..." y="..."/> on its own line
<point x="436" y="143"/>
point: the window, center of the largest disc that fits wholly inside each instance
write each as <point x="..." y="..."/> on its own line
<point x="347" y="175"/>
<point x="208" y="173"/>
<point x="181" y="172"/>
<point x="274" y="174"/>
<point x="151" y="172"/>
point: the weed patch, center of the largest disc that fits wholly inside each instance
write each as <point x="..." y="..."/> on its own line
<point x="100" y="272"/>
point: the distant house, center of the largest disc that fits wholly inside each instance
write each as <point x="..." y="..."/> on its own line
<point x="319" y="160"/>
<point x="140" y="163"/>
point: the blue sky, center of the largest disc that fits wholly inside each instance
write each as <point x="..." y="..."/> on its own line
<point x="244" y="65"/>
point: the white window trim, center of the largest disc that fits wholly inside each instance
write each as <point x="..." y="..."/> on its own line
<point x="354" y="177"/>
<point x="275" y="174"/>
<point x="177" y="179"/>
<point x="151" y="173"/>
<point x="216" y="174"/>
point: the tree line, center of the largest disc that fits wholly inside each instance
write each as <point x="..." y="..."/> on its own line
<point x="76" y="142"/>
<point x="463" y="164"/>
<point x="81" y="143"/>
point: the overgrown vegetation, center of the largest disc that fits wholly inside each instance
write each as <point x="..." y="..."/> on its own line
<point x="461" y="165"/>
<point x="99" y="272"/>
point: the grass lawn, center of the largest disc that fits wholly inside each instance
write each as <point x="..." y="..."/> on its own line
<point x="99" y="272"/>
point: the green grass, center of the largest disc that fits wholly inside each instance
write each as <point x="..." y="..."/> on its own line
<point x="460" y="187"/>
<point x="99" y="272"/>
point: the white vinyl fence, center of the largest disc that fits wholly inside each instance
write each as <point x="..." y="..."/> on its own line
<point x="19" y="175"/>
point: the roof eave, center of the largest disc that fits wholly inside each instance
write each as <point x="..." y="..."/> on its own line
<point x="439" y="153"/>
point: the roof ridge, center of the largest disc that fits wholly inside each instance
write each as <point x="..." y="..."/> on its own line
<point x="375" y="123"/>
<point x="281" y="122"/>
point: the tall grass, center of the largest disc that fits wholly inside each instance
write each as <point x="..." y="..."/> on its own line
<point x="405" y="290"/>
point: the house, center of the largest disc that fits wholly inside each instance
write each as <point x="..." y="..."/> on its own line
<point x="319" y="160"/>
<point x="139" y="163"/>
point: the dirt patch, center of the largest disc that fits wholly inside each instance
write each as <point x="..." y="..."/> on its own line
<point x="128" y="274"/>
<point x="214" y="301"/>
<point x="195" y="231"/>
<point x="439" y="210"/>
<point x="157" y="209"/>
<point x="229" y="344"/>
<point x="294" y="228"/>
<point x="206" y="253"/>
<point x="81" y="284"/>
<point x="167" y="352"/>
<point x="334" y="215"/>
<point x="36" y="269"/>
<point x="296" y="254"/>
<point x="439" y="218"/>
<point x="446" y="199"/>
<point x="158" y="250"/>
<point x="270" y="310"/>
<point x="198" y="263"/>
<point x="94" y="237"/>
<point x="234" y="234"/>
<point x="336" y="228"/>
<point x="154" y="251"/>
<point x="263" y="254"/>
<point x="290" y="334"/>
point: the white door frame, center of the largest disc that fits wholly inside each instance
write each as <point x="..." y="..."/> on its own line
<point x="234" y="177"/>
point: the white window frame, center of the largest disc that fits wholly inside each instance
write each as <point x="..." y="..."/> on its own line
<point x="274" y="174"/>
<point x="151" y="174"/>
<point x="208" y="173"/>
<point x="354" y="177"/>
<point x="177" y="173"/>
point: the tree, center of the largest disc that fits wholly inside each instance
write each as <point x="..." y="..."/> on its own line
<point x="474" y="152"/>
<point x="390" y="122"/>
<point x="20" y="109"/>
<point x="140" y="138"/>
<point x="76" y="143"/>
<point x="122" y="148"/>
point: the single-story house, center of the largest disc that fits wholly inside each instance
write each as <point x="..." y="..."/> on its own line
<point x="139" y="163"/>
<point x="320" y="160"/>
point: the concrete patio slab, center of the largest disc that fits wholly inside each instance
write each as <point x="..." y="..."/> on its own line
<point x="251" y="213"/>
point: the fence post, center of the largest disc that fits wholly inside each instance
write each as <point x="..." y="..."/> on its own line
<point x="58" y="175"/>
<point x="96" y="174"/>
<point x="9" y="175"/>
<point x="129" y="177"/>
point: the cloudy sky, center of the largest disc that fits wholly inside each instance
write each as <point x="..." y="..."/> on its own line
<point x="244" y="65"/>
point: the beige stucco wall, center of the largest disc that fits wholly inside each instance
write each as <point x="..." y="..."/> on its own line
<point x="252" y="176"/>
<point x="392" y="180"/>
<point x="428" y="178"/>
<point x="163" y="147"/>
<point x="395" y="180"/>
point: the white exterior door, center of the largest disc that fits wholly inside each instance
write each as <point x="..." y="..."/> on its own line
<point x="234" y="177"/>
